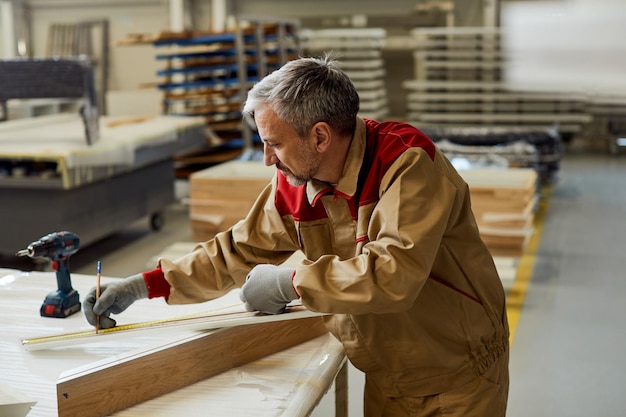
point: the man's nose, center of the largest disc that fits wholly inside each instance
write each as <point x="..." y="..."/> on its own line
<point x="269" y="157"/>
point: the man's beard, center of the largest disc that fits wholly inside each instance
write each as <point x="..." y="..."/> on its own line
<point x="293" y="179"/>
<point x="310" y="163"/>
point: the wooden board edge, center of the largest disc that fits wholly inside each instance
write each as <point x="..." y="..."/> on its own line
<point x="141" y="376"/>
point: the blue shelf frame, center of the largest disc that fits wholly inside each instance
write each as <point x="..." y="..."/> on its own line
<point x="235" y="76"/>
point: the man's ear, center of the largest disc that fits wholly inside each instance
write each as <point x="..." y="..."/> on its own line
<point x="321" y="134"/>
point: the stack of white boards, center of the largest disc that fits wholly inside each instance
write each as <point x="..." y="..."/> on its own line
<point x="459" y="81"/>
<point x="504" y="202"/>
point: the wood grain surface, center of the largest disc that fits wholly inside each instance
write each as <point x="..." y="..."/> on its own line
<point x="125" y="380"/>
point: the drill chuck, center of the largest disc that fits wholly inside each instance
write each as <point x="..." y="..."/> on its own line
<point x="53" y="246"/>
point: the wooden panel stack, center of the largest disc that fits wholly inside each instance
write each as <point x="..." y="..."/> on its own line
<point x="459" y="82"/>
<point x="503" y="201"/>
<point x="223" y="194"/>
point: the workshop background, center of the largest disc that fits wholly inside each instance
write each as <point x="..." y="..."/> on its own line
<point x="119" y="121"/>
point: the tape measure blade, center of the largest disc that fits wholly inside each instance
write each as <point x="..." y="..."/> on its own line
<point x="195" y="323"/>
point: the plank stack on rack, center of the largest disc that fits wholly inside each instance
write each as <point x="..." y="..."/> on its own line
<point x="209" y="75"/>
<point x="459" y="97"/>
<point x="222" y="195"/>
<point x="459" y="82"/>
<point x="504" y="202"/>
<point x="359" y="53"/>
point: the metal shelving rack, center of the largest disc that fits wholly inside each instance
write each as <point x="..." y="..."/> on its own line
<point x="209" y="75"/>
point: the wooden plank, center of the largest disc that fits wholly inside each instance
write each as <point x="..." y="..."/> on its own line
<point x="459" y="31"/>
<point x="444" y="106"/>
<point x="489" y="54"/>
<point x="466" y="65"/>
<point x="421" y="85"/>
<point x="192" y="322"/>
<point x="222" y="213"/>
<point x="512" y="221"/>
<point x="127" y="120"/>
<point x="496" y="97"/>
<point x="487" y="178"/>
<point x="505" y="245"/>
<point x="564" y="127"/>
<point x="123" y="381"/>
<point x="503" y="117"/>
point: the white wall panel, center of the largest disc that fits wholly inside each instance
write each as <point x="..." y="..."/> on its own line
<point x="575" y="45"/>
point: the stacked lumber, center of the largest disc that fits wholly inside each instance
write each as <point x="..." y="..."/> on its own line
<point x="223" y="194"/>
<point x="503" y="201"/>
<point x="459" y="82"/>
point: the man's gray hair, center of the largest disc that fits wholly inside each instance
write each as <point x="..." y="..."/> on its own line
<point x="307" y="91"/>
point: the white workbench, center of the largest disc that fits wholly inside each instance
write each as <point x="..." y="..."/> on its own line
<point x="287" y="383"/>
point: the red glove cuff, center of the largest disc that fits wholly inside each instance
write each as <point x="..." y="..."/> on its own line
<point x="156" y="283"/>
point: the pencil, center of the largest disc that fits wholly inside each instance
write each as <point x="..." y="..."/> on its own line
<point x="98" y="272"/>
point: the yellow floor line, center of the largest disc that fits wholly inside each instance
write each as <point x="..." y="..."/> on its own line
<point x="517" y="293"/>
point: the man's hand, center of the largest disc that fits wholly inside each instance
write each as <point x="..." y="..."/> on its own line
<point x="115" y="297"/>
<point x="268" y="289"/>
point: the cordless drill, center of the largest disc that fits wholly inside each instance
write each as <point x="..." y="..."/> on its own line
<point x="57" y="247"/>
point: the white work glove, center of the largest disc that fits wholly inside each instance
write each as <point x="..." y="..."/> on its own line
<point x="115" y="297"/>
<point x="268" y="289"/>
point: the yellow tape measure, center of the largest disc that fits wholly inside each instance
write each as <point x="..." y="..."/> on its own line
<point x="197" y="321"/>
<point x="44" y="342"/>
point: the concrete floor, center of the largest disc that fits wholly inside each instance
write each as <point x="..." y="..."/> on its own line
<point x="567" y="356"/>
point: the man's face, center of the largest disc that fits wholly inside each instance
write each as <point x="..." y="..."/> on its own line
<point x="295" y="157"/>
